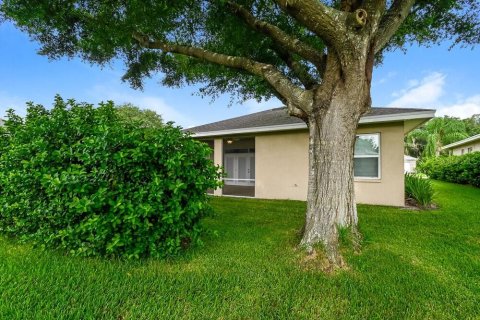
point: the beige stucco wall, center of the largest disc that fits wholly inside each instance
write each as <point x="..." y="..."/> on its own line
<point x="218" y="159"/>
<point x="281" y="161"/>
<point x="389" y="189"/>
<point x="475" y="145"/>
<point x="281" y="165"/>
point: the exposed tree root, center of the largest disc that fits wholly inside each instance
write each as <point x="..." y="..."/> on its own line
<point x="317" y="259"/>
<point x="328" y="257"/>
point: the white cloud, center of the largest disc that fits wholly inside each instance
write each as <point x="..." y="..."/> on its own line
<point x="462" y="108"/>
<point x="390" y="75"/>
<point x="155" y="103"/>
<point x="428" y="93"/>
<point x="420" y="93"/>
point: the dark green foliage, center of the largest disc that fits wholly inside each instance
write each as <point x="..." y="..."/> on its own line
<point x="473" y="124"/>
<point x="419" y="188"/>
<point x="80" y="178"/>
<point x="463" y="169"/>
<point x="99" y="31"/>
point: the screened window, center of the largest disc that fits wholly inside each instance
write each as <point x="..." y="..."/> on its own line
<point x="367" y="156"/>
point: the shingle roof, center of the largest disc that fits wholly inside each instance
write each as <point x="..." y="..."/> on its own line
<point x="279" y="116"/>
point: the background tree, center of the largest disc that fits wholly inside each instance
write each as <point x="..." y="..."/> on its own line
<point x="428" y="140"/>
<point x="144" y="117"/>
<point x="415" y="142"/>
<point x="473" y="124"/>
<point x="316" y="56"/>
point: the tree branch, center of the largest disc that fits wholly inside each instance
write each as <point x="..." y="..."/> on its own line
<point x="391" y="21"/>
<point x="326" y="22"/>
<point x="297" y="68"/>
<point x="294" y="95"/>
<point x="282" y="39"/>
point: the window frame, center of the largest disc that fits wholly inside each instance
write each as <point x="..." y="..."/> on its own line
<point x="379" y="157"/>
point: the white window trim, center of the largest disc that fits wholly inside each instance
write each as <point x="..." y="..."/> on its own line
<point x="379" y="156"/>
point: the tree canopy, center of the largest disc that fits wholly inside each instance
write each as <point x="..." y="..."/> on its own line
<point x="247" y="35"/>
<point x="144" y="117"/>
<point x="472" y="124"/>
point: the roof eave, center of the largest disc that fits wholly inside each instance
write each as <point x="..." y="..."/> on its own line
<point x="427" y="114"/>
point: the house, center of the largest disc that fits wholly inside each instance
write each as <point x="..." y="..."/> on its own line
<point x="467" y="145"/>
<point x="265" y="154"/>
<point x="409" y="164"/>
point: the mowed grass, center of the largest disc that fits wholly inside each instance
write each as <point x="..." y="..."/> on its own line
<point x="413" y="265"/>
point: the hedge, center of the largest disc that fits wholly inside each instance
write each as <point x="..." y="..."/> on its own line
<point x="463" y="169"/>
<point x="81" y="179"/>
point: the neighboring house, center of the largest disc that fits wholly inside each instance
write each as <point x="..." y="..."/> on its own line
<point x="409" y="164"/>
<point x="464" y="146"/>
<point x="265" y="154"/>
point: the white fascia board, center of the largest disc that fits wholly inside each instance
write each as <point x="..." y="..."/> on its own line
<point x="427" y="114"/>
<point x="461" y="142"/>
<point x="282" y="127"/>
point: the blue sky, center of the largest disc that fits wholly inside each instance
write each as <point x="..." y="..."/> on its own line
<point x="435" y="77"/>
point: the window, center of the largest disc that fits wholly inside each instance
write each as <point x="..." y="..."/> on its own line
<point x="470" y="149"/>
<point x="367" y="156"/>
<point x="463" y="151"/>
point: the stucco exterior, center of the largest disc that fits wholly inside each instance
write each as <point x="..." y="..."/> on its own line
<point x="474" y="145"/>
<point x="389" y="189"/>
<point x="281" y="161"/>
<point x="281" y="165"/>
<point x="468" y="145"/>
<point x="266" y="154"/>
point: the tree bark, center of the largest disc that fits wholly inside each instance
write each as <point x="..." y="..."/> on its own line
<point x="331" y="197"/>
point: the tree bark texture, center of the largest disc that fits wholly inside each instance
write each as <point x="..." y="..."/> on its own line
<point x="331" y="197"/>
<point x="339" y="104"/>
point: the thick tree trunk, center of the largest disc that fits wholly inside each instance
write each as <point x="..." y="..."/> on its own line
<point x="331" y="197"/>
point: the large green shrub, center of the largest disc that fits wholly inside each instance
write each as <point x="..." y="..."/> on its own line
<point x="419" y="188"/>
<point x="79" y="178"/>
<point x="463" y="169"/>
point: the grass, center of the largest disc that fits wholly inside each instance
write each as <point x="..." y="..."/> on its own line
<point x="413" y="265"/>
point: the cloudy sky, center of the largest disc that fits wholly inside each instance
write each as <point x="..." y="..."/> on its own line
<point x="438" y="78"/>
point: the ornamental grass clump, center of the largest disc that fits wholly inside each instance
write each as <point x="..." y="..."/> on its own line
<point x="420" y="189"/>
<point x="85" y="180"/>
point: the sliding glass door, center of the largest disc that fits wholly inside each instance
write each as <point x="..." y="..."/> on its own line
<point x="240" y="169"/>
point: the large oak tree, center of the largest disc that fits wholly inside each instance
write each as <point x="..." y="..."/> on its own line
<point x="316" y="56"/>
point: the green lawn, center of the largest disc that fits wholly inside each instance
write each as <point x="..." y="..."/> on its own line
<point x="413" y="265"/>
